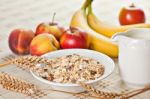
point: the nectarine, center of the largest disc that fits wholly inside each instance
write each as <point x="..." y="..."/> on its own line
<point x="19" y="41"/>
<point x="43" y="43"/>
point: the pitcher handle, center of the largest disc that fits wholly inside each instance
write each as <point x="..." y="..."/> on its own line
<point x="116" y="36"/>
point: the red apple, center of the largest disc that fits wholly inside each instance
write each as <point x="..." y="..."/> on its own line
<point x="131" y="15"/>
<point x="52" y="28"/>
<point x="19" y="41"/>
<point x="74" y="38"/>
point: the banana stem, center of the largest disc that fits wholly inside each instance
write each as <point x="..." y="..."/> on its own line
<point x="89" y="8"/>
<point x="86" y="4"/>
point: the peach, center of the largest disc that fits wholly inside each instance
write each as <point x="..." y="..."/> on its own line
<point x="19" y="41"/>
<point x="51" y="28"/>
<point x="43" y="43"/>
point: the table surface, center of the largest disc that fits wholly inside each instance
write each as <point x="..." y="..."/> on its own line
<point x="28" y="13"/>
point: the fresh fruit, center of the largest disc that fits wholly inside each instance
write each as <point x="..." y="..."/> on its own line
<point x="51" y="28"/>
<point x="19" y="41"/>
<point x="98" y="42"/>
<point x="74" y="38"/>
<point x="106" y="29"/>
<point x="131" y="15"/>
<point x="43" y="43"/>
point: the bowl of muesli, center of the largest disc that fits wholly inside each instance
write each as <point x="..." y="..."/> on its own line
<point x="68" y="67"/>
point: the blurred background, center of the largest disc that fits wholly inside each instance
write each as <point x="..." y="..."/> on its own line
<point x="29" y="13"/>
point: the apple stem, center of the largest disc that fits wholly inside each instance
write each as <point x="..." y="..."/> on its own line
<point x="71" y="29"/>
<point x="132" y="5"/>
<point x="53" y="17"/>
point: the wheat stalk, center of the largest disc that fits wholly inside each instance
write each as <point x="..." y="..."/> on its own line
<point x="30" y="59"/>
<point x="11" y="83"/>
<point x="106" y="95"/>
<point x="136" y="92"/>
<point x="30" y="63"/>
<point x="112" y="95"/>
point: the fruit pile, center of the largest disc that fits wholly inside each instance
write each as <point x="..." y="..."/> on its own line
<point x="48" y="37"/>
<point x="86" y="31"/>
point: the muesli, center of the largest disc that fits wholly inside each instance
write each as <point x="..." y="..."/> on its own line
<point x="72" y="69"/>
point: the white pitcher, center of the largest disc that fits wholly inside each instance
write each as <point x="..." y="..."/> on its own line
<point x="134" y="56"/>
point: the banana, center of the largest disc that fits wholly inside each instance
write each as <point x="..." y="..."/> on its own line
<point x="98" y="42"/>
<point x="108" y="30"/>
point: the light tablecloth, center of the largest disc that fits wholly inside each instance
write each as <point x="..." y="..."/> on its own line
<point x="28" y="13"/>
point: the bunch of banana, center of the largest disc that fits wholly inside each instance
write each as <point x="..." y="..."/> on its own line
<point x="98" y="40"/>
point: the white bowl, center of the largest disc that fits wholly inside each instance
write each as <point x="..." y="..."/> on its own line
<point x="103" y="59"/>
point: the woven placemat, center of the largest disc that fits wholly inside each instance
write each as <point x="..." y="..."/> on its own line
<point x="113" y="83"/>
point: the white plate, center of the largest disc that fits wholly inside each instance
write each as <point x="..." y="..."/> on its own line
<point x="102" y="58"/>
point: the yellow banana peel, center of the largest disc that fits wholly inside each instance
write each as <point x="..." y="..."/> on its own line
<point x="97" y="41"/>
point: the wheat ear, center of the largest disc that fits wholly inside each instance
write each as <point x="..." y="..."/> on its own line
<point x="11" y="83"/>
<point x="29" y="59"/>
<point x="110" y="95"/>
<point x="106" y="95"/>
<point x="33" y="59"/>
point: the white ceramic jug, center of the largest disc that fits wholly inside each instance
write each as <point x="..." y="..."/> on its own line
<point x="134" y="56"/>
